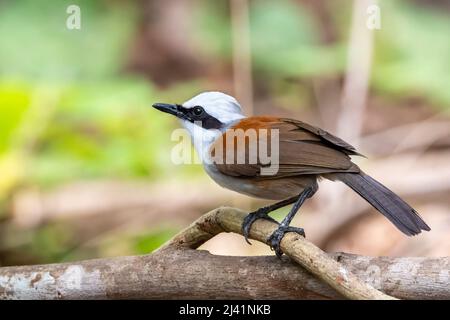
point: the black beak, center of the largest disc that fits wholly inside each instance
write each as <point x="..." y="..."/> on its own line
<point x="167" y="108"/>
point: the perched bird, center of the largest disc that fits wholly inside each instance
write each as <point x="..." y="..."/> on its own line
<point x="305" y="154"/>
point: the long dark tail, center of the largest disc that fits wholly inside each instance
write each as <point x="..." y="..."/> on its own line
<point x="405" y="218"/>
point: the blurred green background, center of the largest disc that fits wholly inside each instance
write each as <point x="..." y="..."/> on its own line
<point x="77" y="134"/>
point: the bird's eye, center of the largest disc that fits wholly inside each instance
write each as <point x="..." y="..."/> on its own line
<point x="197" y="111"/>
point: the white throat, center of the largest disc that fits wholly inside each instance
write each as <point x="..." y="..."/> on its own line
<point x="202" y="139"/>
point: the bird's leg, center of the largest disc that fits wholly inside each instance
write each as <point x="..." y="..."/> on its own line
<point x="275" y="239"/>
<point x="262" y="213"/>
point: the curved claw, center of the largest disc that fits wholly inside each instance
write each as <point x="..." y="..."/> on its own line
<point x="275" y="238"/>
<point x="274" y="242"/>
<point x="252" y="217"/>
<point x="248" y="221"/>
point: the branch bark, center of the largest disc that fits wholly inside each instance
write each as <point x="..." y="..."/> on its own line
<point x="176" y="271"/>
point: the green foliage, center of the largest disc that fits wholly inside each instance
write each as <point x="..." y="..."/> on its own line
<point x="412" y="53"/>
<point x="15" y="99"/>
<point x="85" y="130"/>
<point x="286" y="41"/>
<point x="149" y="242"/>
<point x="411" y="49"/>
<point x="66" y="113"/>
<point x="37" y="44"/>
<point x="102" y="129"/>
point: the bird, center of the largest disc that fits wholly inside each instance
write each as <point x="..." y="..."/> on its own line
<point x="306" y="154"/>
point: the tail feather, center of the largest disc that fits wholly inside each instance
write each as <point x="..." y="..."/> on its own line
<point x="405" y="218"/>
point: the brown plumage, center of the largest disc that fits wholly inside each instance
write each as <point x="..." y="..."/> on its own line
<point x="303" y="149"/>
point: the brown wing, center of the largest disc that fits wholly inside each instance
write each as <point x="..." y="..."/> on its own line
<point x="338" y="143"/>
<point x="303" y="149"/>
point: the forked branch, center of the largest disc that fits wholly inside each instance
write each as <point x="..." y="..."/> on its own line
<point x="296" y="247"/>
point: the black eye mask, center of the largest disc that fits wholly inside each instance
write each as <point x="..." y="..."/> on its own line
<point x="198" y="114"/>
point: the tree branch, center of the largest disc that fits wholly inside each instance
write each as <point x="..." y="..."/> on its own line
<point x="176" y="271"/>
<point x="293" y="245"/>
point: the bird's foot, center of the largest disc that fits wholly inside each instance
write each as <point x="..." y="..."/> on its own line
<point x="261" y="213"/>
<point x="275" y="239"/>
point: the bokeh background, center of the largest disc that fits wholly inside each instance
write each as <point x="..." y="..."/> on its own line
<point x="85" y="166"/>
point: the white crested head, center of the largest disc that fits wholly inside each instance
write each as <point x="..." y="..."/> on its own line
<point x="221" y="106"/>
<point x="205" y="116"/>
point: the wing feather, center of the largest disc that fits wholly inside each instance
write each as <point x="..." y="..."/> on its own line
<point x="303" y="149"/>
